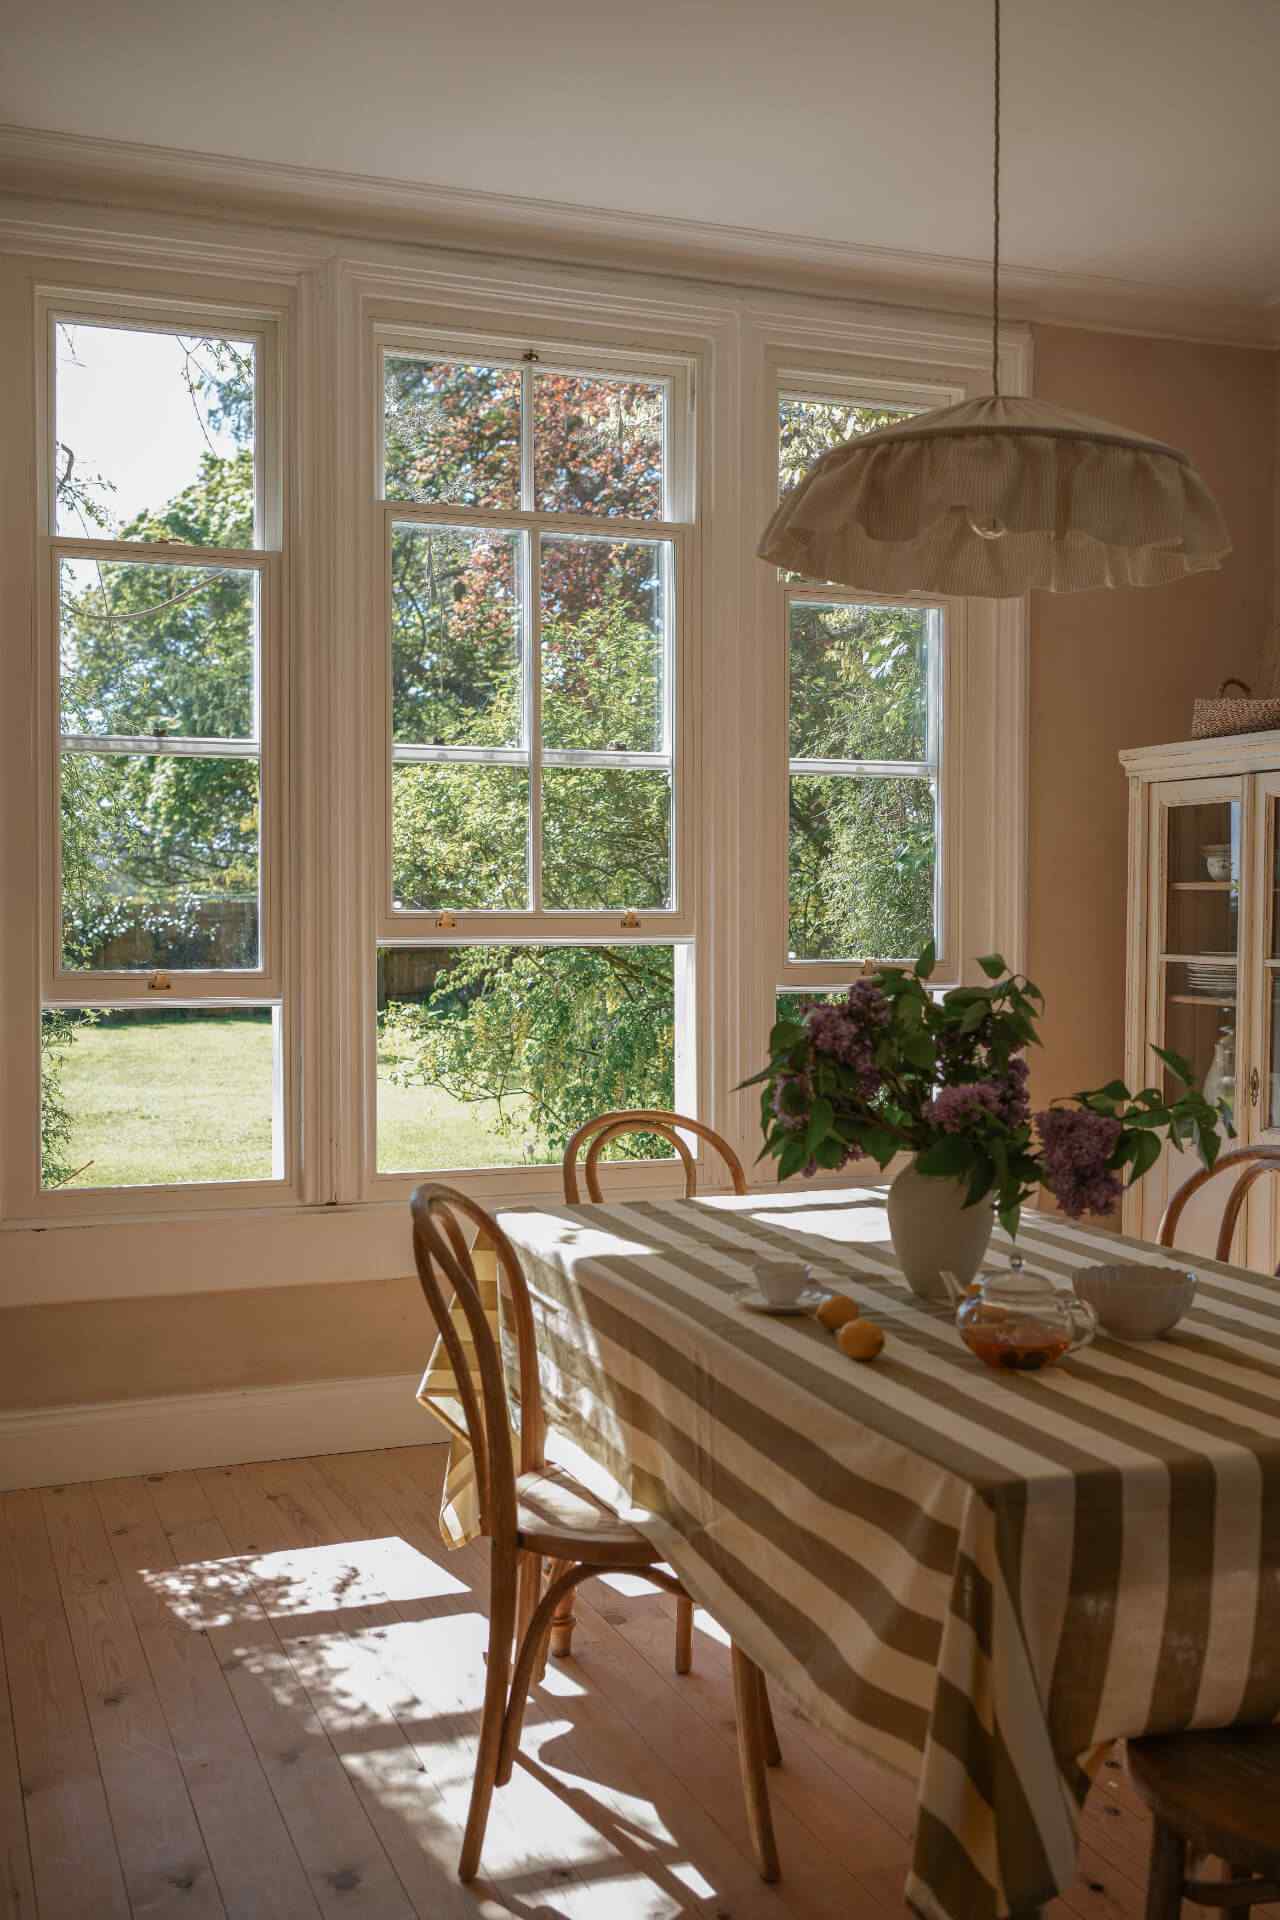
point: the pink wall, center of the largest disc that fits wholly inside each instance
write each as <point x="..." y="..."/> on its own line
<point x="1120" y="669"/>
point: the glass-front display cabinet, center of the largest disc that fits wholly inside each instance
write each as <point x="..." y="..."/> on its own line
<point x="1204" y="964"/>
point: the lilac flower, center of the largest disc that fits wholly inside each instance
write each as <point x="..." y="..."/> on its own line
<point x="952" y="1109"/>
<point x="1015" y="1098"/>
<point x="849" y="1031"/>
<point x="1076" y="1145"/>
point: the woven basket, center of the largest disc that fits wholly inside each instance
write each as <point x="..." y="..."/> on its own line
<point x="1211" y="718"/>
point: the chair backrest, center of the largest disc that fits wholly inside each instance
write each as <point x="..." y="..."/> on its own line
<point x="447" y="1271"/>
<point x="596" y="1135"/>
<point x="1256" y="1162"/>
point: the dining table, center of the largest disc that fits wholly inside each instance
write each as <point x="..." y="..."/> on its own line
<point x="984" y="1578"/>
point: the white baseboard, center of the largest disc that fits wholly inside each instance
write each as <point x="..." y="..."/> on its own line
<point x="51" y="1445"/>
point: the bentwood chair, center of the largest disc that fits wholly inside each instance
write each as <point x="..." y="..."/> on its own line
<point x="595" y="1135"/>
<point x="539" y="1513"/>
<point x="599" y="1133"/>
<point x="1211" y="1793"/>
<point x="1256" y="1162"/>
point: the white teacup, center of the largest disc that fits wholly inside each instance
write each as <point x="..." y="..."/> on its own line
<point x="781" y="1281"/>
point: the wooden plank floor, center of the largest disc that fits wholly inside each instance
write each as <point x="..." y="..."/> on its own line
<point x="254" y="1692"/>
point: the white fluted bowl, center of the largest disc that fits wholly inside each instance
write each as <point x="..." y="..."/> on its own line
<point x="1137" y="1303"/>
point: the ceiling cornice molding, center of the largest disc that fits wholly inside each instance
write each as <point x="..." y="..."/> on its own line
<point x="129" y="176"/>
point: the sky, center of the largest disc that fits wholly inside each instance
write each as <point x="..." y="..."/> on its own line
<point x="124" y="410"/>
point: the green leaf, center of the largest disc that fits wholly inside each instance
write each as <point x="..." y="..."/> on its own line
<point x="975" y="1015"/>
<point x="792" y="1158"/>
<point x="927" y="961"/>
<point x="1177" y="1065"/>
<point x="821" y="1121"/>
<point x="880" y="1144"/>
<point x="787" y="1033"/>
<point x="981" y="1180"/>
<point x="1144" y="1149"/>
<point x="993" y="965"/>
<point x="1009" y="1219"/>
<point x="947" y="1158"/>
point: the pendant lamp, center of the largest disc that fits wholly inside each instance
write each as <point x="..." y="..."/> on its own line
<point x="997" y="495"/>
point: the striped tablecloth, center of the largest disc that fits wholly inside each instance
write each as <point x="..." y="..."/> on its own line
<point x="978" y="1576"/>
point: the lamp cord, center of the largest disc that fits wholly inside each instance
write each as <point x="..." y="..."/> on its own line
<point x="995" y="220"/>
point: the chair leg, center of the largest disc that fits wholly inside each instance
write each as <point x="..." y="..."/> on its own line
<point x="562" y="1622"/>
<point x="772" y="1751"/>
<point x="530" y="1659"/>
<point x="1168" y="1871"/>
<point x="751" y="1757"/>
<point x="1240" y="1873"/>
<point x="528" y="1593"/>
<point x="502" y="1617"/>
<point x="684" y="1634"/>
<point x="551" y="1569"/>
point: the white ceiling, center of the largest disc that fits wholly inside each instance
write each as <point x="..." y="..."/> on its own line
<point x="1141" y="137"/>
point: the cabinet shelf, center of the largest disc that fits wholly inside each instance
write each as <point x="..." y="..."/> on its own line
<point x="1197" y="1000"/>
<point x="1202" y="886"/>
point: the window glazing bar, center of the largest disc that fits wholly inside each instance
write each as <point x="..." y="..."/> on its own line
<point x="517" y="757"/>
<point x="154" y="744"/>
<point x="868" y="769"/>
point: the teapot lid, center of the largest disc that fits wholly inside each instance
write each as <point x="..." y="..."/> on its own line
<point x="1016" y="1283"/>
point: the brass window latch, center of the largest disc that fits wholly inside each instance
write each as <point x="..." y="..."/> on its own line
<point x="630" y="918"/>
<point x="160" y="983"/>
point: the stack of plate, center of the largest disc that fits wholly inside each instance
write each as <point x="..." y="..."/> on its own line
<point x="1215" y="979"/>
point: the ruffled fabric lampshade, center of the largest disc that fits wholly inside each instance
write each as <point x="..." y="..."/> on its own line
<point x="994" y="496"/>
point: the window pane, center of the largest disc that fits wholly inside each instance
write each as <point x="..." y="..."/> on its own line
<point x="154" y="435"/>
<point x="455" y="636"/>
<point x="789" y="1005"/>
<point x="157" y="649"/>
<point x="159" y="861"/>
<point x="452" y="432"/>
<point x="809" y="428"/>
<point x="491" y="1056"/>
<point x="606" y="837"/>
<point x="598" y="445"/>
<point x="604" y="620"/>
<point x="459" y="836"/>
<point x="859" y="682"/>
<point x="862" y="867"/>
<point x="132" y="1099"/>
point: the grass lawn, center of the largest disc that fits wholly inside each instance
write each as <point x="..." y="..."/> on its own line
<point x="159" y="1100"/>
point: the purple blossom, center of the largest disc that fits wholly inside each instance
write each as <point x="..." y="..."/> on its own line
<point x="1076" y="1145"/>
<point x="952" y="1109"/>
<point x="1015" y="1097"/>
<point x="849" y="1031"/>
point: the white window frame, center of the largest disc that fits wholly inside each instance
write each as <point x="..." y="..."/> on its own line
<point x="882" y="358"/>
<point x="113" y="989"/>
<point x="319" y="299"/>
<point x="944" y="711"/>
<point x="674" y="925"/>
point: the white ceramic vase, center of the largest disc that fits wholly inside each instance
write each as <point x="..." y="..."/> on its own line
<point x="932" y="1229"/>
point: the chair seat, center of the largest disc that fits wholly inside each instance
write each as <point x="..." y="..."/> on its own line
<point x="559" y="1518"/>
<point x="1218" y="1790"/>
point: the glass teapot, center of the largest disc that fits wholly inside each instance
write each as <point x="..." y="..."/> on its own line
<point x="1019" y="1320"/>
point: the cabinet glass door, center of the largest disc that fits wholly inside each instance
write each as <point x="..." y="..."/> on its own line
<point x="1264" y="1087"/>
<point x="1200" y="956"/>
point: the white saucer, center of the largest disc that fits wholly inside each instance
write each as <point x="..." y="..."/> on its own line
<point x="804" y="1302"/>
